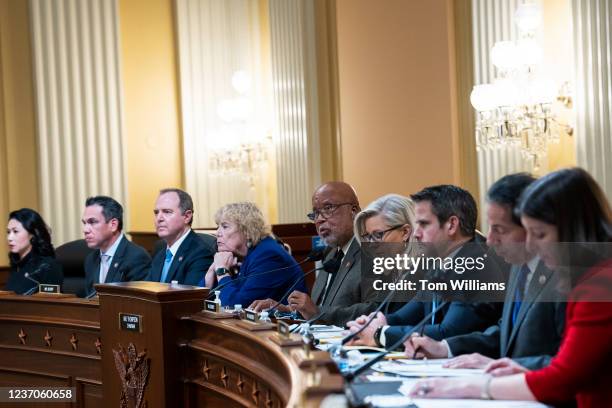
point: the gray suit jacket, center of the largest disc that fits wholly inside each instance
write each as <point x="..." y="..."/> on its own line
<point x="347" y="298"/>
<point x="535" y="337"/>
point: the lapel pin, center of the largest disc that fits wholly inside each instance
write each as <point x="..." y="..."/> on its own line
<point x="348" y="264"/>
<point x="180" y="258"/>
<point x="116" y="265"/>
<point x="542" y="279"/>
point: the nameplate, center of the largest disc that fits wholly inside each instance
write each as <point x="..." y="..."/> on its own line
<point x="130" y="322"/>
<point x="251" y="316"/>
<point x="46" y="288"/>
<point x="212" y="306"/>
<point x="283" y="329"/>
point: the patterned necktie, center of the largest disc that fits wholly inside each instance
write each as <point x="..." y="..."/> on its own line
<point x="104" y="266"/>
<point x="167" y="263"/>
<point x="519" y="292"/>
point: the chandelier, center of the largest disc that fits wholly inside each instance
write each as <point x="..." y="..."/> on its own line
<point x="516" y="109"/>
<point x="241" y="145"/>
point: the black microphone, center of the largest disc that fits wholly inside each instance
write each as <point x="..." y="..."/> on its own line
<point x="313" y="256"/>
<point x="385" y="301"/>
<point x="290" y="290"/>
<point x="350" y="376"/>
<point x="28" y="275"/>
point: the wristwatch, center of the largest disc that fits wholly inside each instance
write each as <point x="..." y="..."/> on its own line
<point x="376" y="336"/>
<point x="221" y="271"/>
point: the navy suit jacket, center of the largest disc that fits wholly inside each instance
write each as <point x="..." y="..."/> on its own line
<point x="266" y="256"/>
<point x="130" y="263"/>
<point x="537" y="333"/>
<point x="190" y="263"/>
<point x="456" y="317"/>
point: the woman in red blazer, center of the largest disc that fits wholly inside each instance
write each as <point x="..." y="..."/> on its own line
<point x="559" y="210"/>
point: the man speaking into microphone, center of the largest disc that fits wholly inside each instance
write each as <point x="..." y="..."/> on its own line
<point x="338" y="294"/>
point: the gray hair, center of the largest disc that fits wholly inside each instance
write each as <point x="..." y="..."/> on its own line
<point x="395" y="210"/>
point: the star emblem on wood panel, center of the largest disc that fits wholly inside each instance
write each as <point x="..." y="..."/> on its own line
<point x="255" y="394"/>
<point x="240" y="383"/>
<point x="224" y="376"/>
<point x="74" y="342"/>
<point x="48" y="339"/>
<point x="22" y="336"/>
<point x="206" y="370"/>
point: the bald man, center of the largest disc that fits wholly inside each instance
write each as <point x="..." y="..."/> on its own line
<point x="338" y="297"/>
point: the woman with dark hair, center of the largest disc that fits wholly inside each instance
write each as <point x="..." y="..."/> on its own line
<point x="30" y="252"/>
<point x="568" y="220"/>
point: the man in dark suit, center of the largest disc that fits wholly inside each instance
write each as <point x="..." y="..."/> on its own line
<point x="337" y="296"/>
<point x="187" y="255"/>
<point x="446" y="222"/>
<point x="532" y="322"/>
<point x="118" y="260"/>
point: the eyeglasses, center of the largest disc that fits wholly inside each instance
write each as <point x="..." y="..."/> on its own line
<point x="325" y="212"/>
<point x="378" y="236"/>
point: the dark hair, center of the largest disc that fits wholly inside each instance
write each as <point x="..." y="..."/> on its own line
<point x="448" y="200"/>
<point x="571" y="200"/>
<point x="185" y="201"/>
<point x="35" y="225"/>
<point x="110" y="208"/>
<point x="507" y="190"/>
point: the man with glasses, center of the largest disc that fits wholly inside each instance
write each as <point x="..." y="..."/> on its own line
<point x="337" y="295"/>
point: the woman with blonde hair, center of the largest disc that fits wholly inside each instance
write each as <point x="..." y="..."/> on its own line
<point x="266" y="270"/>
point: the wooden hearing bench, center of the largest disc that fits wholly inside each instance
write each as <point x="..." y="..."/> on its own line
<point x="148" y="343"/>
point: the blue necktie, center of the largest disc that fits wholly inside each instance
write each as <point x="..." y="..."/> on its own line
<point x="167" y="263"/>
<point x="518" y="293"/>
<point x="434" y="304"/>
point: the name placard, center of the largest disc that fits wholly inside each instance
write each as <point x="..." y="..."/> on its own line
<point x="283" y="329"/>
<point x="130" y="322"/>
<point x="46" y="288"/>
<point x="251" y="316"/>
<point x="212" y="306"/>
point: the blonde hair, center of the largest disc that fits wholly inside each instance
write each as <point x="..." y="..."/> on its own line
<point x="395" y="209"/>
<point x="247" y="217"/>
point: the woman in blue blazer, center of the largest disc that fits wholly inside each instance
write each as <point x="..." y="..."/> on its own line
<point x="265" y="268"/>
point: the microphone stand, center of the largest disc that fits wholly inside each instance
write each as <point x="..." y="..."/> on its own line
<point x="350" y="376"/>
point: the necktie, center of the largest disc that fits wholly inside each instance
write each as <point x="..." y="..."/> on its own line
<point x="167" y="263"/>
<point x="519" y="292"/>
<point x="332" y="266"/>
<point x="104" y="266"/>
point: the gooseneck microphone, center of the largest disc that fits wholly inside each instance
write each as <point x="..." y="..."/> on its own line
<point x="313" y="256"/>
<point x="349" y="376"/>
<point x="385" y="301"/>
<point x="29" y="275"/>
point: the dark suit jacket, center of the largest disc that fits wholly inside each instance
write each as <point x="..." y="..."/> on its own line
<point x="457" y="317"/>
<point x="44" y="269"/>
<point x="535" y="337"/>
<point x="130" y="263"/>
<point x="347" y="298"/>
<point x="190" y="263"/>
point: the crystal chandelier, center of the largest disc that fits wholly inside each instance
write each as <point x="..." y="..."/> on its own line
<point x="516" y="109"/>
<point x="241" y="146"/>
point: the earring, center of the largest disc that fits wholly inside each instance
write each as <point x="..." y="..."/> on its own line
<point x="249" y="243"/>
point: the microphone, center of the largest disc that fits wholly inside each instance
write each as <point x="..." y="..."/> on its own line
<point x="350" y="376"/>
<point x="313" y="256"/>
<point x="29" y="275"/>
<point x="385" y="301"/>
<point x="330" y="266"/>
<point x="290" y="290"/>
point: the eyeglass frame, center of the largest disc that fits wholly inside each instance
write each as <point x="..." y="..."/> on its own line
<point x="367" y="237"/>
<point x="312" y="216"/>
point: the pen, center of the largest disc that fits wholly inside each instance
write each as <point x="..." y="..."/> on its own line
<point x="416" y="348"/>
